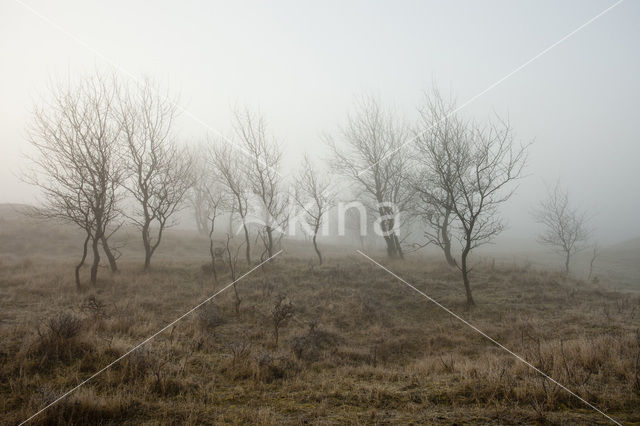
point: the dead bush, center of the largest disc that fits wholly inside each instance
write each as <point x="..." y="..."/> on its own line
<point x="280" y="314"/>
<point x="64" y="326"/>
<point x="122" y="319"/>
<point x="86" y="408"/>
<point x="240" y="352"/>
<point x="59" y="341"/>
<point x="210" y="318"/>
<point x="134" y="367"/>
<point x="94" y="308"/>
<point x="266" y="287"/>
<point x="160" y="366"/>
<point x="269" y="369"/>
<point x="309" y="347"/>
<point x="240" y="363"/>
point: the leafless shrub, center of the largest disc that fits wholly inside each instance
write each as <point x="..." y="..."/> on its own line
<point x="162" y="373"/>
<point x="45" y="394"/>
<point x="122" y="318"/>
<point x="280" y="314"/>
<point x="135" y="366"/>
<point x="210" y="318"/>
<point x="232" y="263"/>
<point x="57" y="342"/>
<point x="448" y="365"/>
<point x="240" y="352"/>
<point x="269" y="368"/>
<point x="94" y="308"/>
<point x="266" y="287"/>
<point x="309" y="346"/>
<point x="64" y="326"/>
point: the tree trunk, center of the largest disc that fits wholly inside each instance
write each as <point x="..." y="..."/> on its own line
<point x="398" y="246"/>
<point x="389" y="239"/>
<point x="238" y="300"/>
<point x="152" y="248"/>
<point x="448" y="256"/>
<point x="147" y="260"/>
<point x="84" y="257"/>
<point x="593" y="259"/>
<point x="393" y="242"/>
<point x="315" y="245"/>
<point x="269" y="241"/>
<point x="446" y="240"/>
<point x="201" y="221"/>
<point x="107" y="251"/>
<point x="391" y="250"/>
<point x="96" y="260"/>
<point x="566" y="263"/>
<point x="465" y="277"/>
<point x="248" y="247"/>
<point x="147" y="246"/>
<point x="212" y="252"/>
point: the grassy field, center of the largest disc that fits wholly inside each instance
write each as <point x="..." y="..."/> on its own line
<point x="357" y="346"/>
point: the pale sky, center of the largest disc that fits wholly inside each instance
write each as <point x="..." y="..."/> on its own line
<point x="302" y="63"/>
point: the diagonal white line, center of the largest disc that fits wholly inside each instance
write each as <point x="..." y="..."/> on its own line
<point x="496" y="83"/>
<point x="492" y="340"/>
<point x="135" y="79"/>
<point x="145" y="341"/>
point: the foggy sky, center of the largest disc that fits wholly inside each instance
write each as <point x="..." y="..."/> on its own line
<point x="302" y="63"/>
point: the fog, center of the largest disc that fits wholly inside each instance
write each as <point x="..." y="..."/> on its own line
<point x="389" y="212"/>
<point x="302" y="65"/>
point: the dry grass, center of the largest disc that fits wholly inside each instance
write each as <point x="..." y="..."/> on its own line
<point x="356" y="347"/>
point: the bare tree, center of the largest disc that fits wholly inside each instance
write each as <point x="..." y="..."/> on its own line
<point x="313" y="196"/>
<point x="232" y="263"/>
<point x="280" y="314"/>
<point x="437" y="129"/>
<point x="355" y="224"/>
<point x="565" y="228"/>
<point x="77" y="166"/>
<point x="231" y="167"/>
<point x="214" y="201"/>
<point x="198" y="193"/>
<point x="377" y="161"/>
<point x="470" y="176"/>
<point x="353" y="221"/>
<point x="594" y="256"/>
<point x="158" y="171"/>
<point x="264" y="161"/>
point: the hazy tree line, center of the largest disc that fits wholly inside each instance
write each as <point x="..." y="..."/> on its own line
<point x="108" y="154"/>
